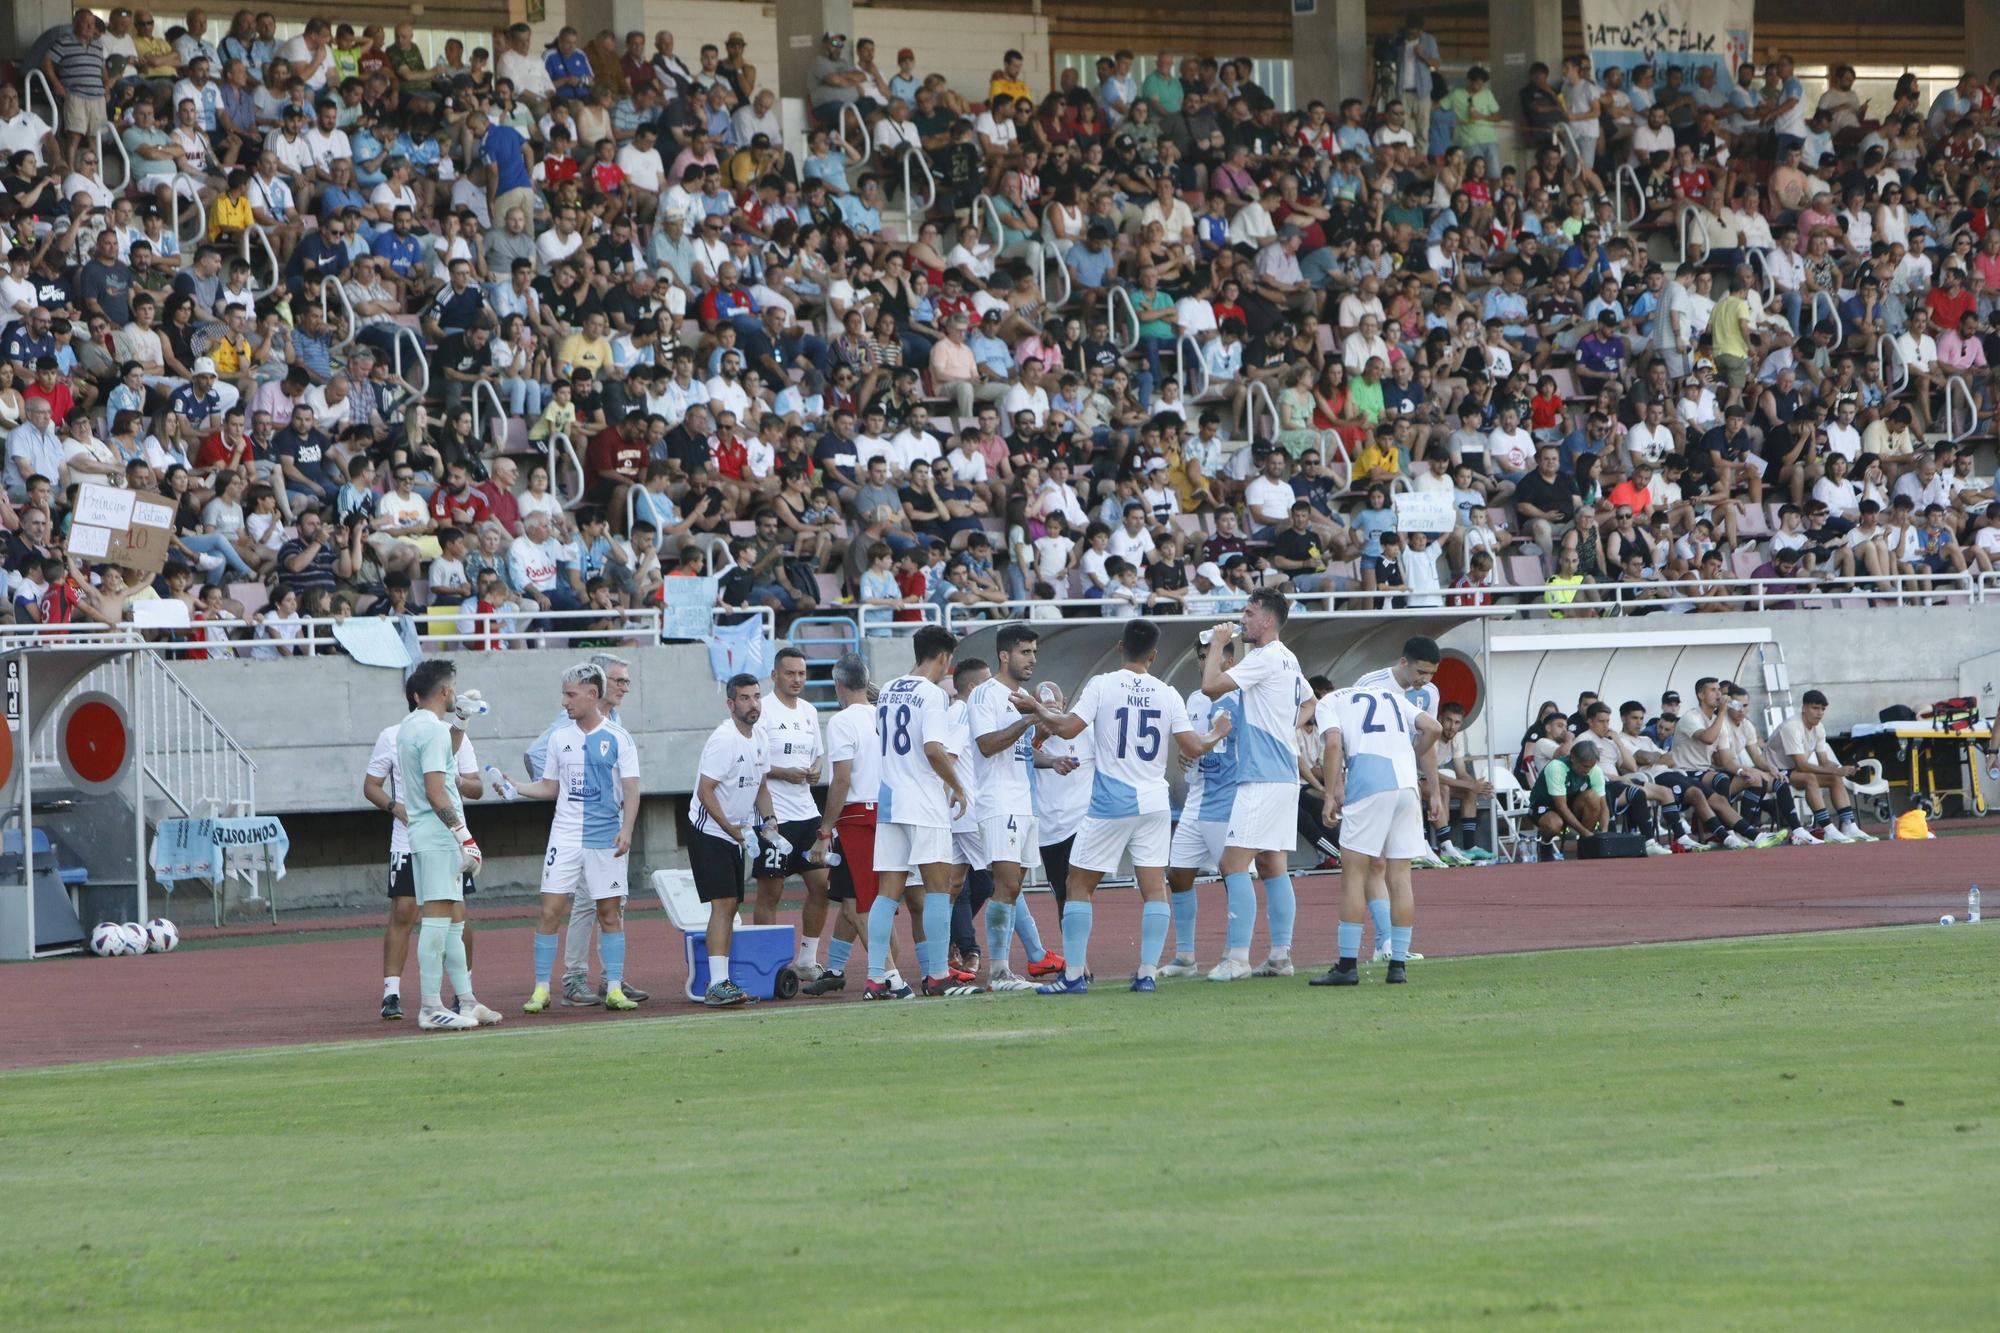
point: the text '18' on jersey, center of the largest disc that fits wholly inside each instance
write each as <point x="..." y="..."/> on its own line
<point x="910" y="714"/>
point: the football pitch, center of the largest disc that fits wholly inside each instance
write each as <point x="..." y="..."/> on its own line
<point x="1793" y="1131"/>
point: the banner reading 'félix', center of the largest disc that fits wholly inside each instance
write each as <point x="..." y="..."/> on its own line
<point x="1690" y="33"/>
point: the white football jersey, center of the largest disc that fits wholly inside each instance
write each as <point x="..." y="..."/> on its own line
<point x="850" y="735"/>
<point x="383" y="763"/>
<point x="1423" y="696"/>
<point x="1061" y="799"/>
<point x="910" y="714"/>
<point x="590" y="769"/>
<point x="791" y="740"/>
<point x="737" y="763"/>
<point x="1378" y="731"/>
<point x="959" y="724"/>
<point x="1002" y="784"/>
<point x="1134" y="718"/>
<point x="1272" y="687"/>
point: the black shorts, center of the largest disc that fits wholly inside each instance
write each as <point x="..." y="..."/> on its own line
<point x="717" y="864"/>
<point x="403" y="880"/>
<point x="802" y="834"/>
<point x="1715" y="782"/>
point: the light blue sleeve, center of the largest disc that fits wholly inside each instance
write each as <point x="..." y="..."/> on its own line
<point x="538" y="753"/>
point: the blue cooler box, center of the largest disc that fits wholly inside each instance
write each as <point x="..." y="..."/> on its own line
<point x="756" y="954"/>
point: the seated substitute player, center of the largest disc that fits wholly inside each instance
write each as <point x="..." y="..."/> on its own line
<point x="593" y="776"/>
<point x="1800" y="743"/>
<point x="1131" y="713"/>
<point x="1004" y="760"/>
<point x="1204" y="824"/>
<point x="920" y="797"/>
<point x="1698" y="738"/>
<point x="1462" y="791"/>
<point x="576" y="988"/>
<point x="385" y="789"/>
<point x="1264" y="814"/>
<point x="790" y="728"/>
<point x="442" y="850"/>
<point x="1410" y="675"/>
<point x="1569" y="798"/>
<point x="729" y="799"/>
<point x="1379" y="747"/>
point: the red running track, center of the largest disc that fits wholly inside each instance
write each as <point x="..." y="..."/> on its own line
<point x="296" y="990"/>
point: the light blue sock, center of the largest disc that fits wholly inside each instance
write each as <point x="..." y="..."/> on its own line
<point x="1399" y="943"/>
<point x="999" y="933"/>
<point x="881" y="926"/>
<point x="1076" y="938"/>
<point x="454" y="960"/>
<point x="1185" y="908"/>
<point x="1242" y="910"/>
<point x="1349" y="936"/>
<point x="1378" y="912"/>
<point x="1026" y="931"/>
<point x="937" y="933"/>
<point x="611" y="949"/>
<point x="430" y="959"/>
<point x="545" y="957"/>
<point x="1281" y="906"/>
<point x="837" y="954"/>
<point x="1153" y="919"/>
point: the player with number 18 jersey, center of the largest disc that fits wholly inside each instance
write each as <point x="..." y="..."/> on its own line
<point x="912" y="812"/>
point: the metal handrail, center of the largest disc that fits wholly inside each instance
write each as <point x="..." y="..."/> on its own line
<point x="1762" y="268"/>
<point x="1681" y="229"/>
<point x="405" y="335"/>
<point x="1331" y="445"/>
<point x="849" y="109"/>
<point x="263" y="238"/>
<point x="35" y="76"/>
<point x="188" y="186"/>
<point x="485" y="389"/>
<point x="1564" y="138"/>
<point x="1626" y="169"/>
<point x="1885" y="347"/>
<point x="316" y="635"/>
<point x="1951" y="433"/>
<point x="1187" y="352"/>
<point x="868" y="618"/>
<point x="963" y="618"/>
<point x="124" y="158"/>
<point x="561" y="439"/>
<point x="1049" y="256"/>
<point x="912" y="214"/>
<point x="1256" y="394"/>
<point x="1120" y="296"/>
<point x="353" y="325"/>
<point x="1832" y="304"/>
<point x="985" y="202"/>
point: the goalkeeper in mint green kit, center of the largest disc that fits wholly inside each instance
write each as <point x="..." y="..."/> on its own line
<point x="441" y="849"/>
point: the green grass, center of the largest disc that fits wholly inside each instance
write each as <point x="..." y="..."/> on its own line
<point x="1788" y="1132"/>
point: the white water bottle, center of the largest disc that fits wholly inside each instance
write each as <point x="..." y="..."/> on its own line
<point x="507" y="790"/>
<point x="1972" y="905"/>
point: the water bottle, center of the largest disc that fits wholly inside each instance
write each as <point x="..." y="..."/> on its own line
<point x="507" y="790"/>
<point x="1972" y="906"/>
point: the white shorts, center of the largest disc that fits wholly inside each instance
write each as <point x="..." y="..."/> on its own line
<point x="904" y="847"/>
<point x="1265" y="816"/>
<point x="597" y="870"/>
<point x="1198" y="844"/>
<point x="1100" y="841"/>
<point x="1011" y="838"/>
<point x="968" y="849"/>
<point x="1388" y="824"/>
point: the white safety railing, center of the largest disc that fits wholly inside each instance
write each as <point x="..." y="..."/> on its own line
<point x="961" y="618"/>
<point x="859" y="138"/>
<point x="1121" y="301"/>
<point x="483" y="391"/>
<point x="106" y="134"/>
<point x="561" y="450"/>
<point x="1626" y="171"/>
<point x="1694" y="212"/>
<point x="187" y="187"/>
<point x="1757" y="594"/>
<point x="407" y="337"/>
<point x="331" y="290"/>
<point x="878" y="620"/>
<point x="1885" y="352"/>
<point x="37" y="79"/>
<point x="984" y="209"/>
<point x="1766" y="284"/>
<point x="1052" y="259"/>
<point x="1333" y="456"/>
<point x="1189" y="362"/>
<point x="255" y="232"/>
<point x="1833" y="308"/>
<point x="1564" y="138"/>
<point x="1956" y="387"/>
<point x="913" y="212"/>
<point x="1257" y="402"/>
<point x="449" y="629"/>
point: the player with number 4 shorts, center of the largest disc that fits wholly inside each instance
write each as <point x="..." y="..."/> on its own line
<point x="1004" y="761"/>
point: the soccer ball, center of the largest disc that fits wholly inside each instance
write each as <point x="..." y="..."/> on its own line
<point x="109" y="940"/>
<point x="135" y="937"/>
<point x="162" y="935"/>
